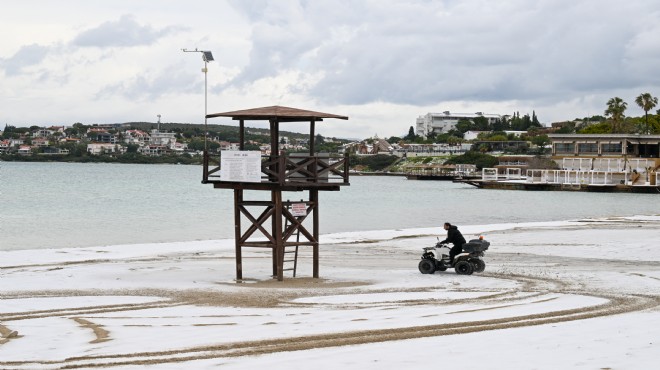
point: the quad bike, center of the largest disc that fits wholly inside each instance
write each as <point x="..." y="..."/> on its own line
<point x="467" y="262"/>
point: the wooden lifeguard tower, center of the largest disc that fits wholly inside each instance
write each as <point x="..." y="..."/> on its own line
<point x="279" y="221"/>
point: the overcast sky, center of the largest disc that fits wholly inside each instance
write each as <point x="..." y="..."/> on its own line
<point x="382" y="63"/>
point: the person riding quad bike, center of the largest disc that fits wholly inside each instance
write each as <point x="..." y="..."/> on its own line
<point x="456" y="238"/>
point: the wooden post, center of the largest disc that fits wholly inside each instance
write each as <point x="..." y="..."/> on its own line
<point x="241" y="134"/>
<point x="311" y="136"/>
<point x="346" y="167"/>
<point x="277" y="234"/>
<point x="238" y="200"/>
<point x="205" y="168"/>
<point x="314" y="197"/>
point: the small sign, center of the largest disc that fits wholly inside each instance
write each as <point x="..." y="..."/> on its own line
<point x="298" y="209"/>
<point x="240" y="166"/>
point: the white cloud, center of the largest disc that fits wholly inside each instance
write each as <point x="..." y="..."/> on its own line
<point x="28" y="55"/>
<point x="125" y="32"/>
<point x="383" y="63"/>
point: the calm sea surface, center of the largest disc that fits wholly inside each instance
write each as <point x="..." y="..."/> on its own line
<point x="51" y="205"/>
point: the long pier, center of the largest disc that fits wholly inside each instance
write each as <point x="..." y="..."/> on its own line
<point x="523" y="185"/>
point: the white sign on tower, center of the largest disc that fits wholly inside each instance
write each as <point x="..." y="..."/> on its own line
<point x="240" y="166"/>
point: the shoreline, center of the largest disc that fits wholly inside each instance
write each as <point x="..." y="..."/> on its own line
<point x="365" y="236"/>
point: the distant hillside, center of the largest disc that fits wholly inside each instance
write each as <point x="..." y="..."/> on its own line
<point x="220" y="129"/>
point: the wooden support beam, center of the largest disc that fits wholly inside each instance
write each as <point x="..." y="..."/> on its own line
<point x="314" y="198"/>
<point x="257" y="223"/>
<point x="241" y="135"/>
<point x="312" y="128"/>
<point x="238" y="198"/>
<point x="278" y="251"/>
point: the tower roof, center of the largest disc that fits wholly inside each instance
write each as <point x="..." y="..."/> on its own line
<point x="276" y="112"/>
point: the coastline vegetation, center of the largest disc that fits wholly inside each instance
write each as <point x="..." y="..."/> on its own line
<point x="71" y="144"/>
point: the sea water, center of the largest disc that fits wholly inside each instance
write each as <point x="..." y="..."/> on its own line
<point x="54" y="205"/>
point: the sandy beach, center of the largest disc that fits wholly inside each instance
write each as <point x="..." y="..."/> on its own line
<point x="581" y="294"/>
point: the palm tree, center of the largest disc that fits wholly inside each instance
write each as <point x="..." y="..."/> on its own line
<point x="615" y="109"/>
<point x="646" y="102"/>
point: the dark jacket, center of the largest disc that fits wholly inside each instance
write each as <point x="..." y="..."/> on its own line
<point x="454" y="236"/>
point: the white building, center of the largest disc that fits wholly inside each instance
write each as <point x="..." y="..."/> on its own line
<point x="441" y="123"/>
<point x="101" y="148"/>
<point x="162" y="138"/>
<point x="138" y="137"/>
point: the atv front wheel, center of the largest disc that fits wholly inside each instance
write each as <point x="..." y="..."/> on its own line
<point x="463" y="268"/>
<point x="426" y="266"/>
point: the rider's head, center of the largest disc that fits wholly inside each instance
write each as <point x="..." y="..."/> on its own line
<point x="447" y="225"/>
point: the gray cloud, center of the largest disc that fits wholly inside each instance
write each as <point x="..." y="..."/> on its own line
<point x="173" y="79"/>
<point x="26" y="56"/>
<point x="426" y="52"/>
<point x="124" y="32"/>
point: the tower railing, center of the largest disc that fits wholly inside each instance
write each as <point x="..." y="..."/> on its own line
<point x="298" y="169"/>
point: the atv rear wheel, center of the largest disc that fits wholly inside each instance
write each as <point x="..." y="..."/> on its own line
<point x="463" y="268"/>
<point x="479" y="265"/>
<point x="426" y="266"/>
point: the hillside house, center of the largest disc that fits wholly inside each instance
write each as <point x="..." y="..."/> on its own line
<point x="104" y="148"/>
<point x="136" y="137"/>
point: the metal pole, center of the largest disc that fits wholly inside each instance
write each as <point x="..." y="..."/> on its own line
<point x="206" y="57"/>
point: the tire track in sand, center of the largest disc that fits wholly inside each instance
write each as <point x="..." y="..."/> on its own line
<point x="617" y="304"/>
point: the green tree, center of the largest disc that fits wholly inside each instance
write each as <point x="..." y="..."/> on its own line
<point x="616" y="108"/>
<point x="8" y="132"/>
<point x="376" y="162"/>
<point x="464" y="125"/>
<point x="541" y="141"/>
<point x="481" y="123"/>
<point x="598" y="128"/>
<point x="472" y="157"/>
<point x="516" y="123"/>
<point x="500" y="125"/>
<point x="411" y="134"/>
<point x="526" y="122"/>
<point x="646" y="102"/>
<point x="453" y="140"/>
<point x="496" y="138"/>
<point x="535" y="120"/>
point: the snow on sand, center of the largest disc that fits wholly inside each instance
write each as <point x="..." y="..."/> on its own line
<point x="576" y="294"/>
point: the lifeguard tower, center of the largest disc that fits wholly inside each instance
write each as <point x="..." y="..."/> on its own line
<point x="279" y="222"/>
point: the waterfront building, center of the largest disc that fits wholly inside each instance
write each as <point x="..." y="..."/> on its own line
<point x="605" y="145"/>
<point x="104" y="148"/>
<point x="589" y="162"/>
<point x="441" y="123"/>
<point x="24" y="150"/>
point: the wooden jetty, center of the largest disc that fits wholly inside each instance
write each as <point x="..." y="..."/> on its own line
<point x="524" y="185"/>
<point x="440" y="172"/>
